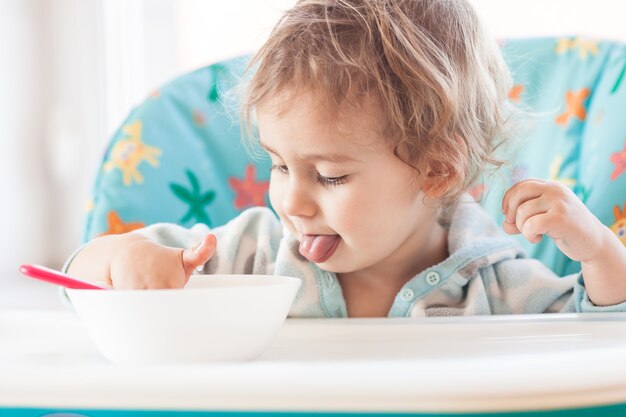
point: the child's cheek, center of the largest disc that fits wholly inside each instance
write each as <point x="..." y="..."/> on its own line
<point x="351" y="219"/>
<point x="277" y="194"/>
<point x="276" y="198"/>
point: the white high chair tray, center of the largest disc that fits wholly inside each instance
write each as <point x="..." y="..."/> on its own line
<point x="367" y="365"/>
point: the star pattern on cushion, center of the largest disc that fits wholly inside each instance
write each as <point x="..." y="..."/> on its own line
<point x="574" y="106"/>
<point x="195" y="199"/>
<point x="515" y="93"/>
<point x="117" y="226"/>
<point x="249" y="191"/>
<point x="619" y="79"/>
<point x="129" y="152"/>
<point x="585" y="47"/>
<point x="619" y="159"/>
<point x="619" y="227"/>
<point x="217" y="71"/>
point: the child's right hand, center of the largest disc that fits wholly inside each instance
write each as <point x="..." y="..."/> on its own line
<point x="144" y="264"/>
<point x="134" y="262"/>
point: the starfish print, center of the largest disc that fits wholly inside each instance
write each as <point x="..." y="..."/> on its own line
<point x="585" y="47"/>
<point x="574" y="106"/>
<point x="619" y="159"/>
<point x="249" y="191"/>
<point x="515" y="94"/>
<point x="619" y="227"/>
<point x="563" y="45"/>
<point x="214" y="91"/>
<point x="195" y="199"/>
<point x="619" y="80"/>
<point x="128" y="153"/>
<point x="117" y="225"/>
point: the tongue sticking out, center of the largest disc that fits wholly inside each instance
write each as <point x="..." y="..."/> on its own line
<point x="318" y="248"/>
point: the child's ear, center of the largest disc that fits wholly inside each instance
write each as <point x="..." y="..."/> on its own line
<point x="439" y="179"/>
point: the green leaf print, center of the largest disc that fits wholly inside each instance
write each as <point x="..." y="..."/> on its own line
<point x="619" y="80"/>
<point x="195" y="185"/>
<point x="214" y="93"/>
<point x="181" y="192"/>
<point x="208" y="197"/>
<point x="195" y="199"/>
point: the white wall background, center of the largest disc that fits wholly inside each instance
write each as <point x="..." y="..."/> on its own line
<point x="70" y="70"/>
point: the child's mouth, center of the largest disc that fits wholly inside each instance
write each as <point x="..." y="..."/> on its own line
<point x="318" y="248"/>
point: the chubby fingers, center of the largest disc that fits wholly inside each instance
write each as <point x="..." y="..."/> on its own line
<point x="525" y="210"/>
<point x="518" y="194"/>
<point x="104" y="284"/>
<point x="200" y="254"/>
<point x="533" y="228"/>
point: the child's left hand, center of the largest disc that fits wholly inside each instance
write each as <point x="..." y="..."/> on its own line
<point x="536" y="207"/>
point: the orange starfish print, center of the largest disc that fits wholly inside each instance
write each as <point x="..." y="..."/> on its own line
<point x="619" y="159"/>
<point x="574" y="106"/>
<point x="117" y="226"/>
<point x="250" y="192"/>
<point x="515" y="94"/>
<point x="619" y="227"/>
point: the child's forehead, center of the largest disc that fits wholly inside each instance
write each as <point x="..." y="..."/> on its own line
<point x="308" y="116"/>
<point x="364" y="109"/>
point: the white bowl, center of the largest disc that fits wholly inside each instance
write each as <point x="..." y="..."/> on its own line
<point x="214" y="318"/>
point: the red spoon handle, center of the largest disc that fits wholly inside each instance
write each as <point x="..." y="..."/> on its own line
<point x="56" y="277"/>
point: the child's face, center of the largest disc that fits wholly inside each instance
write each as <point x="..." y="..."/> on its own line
<point x="352" y="204"/>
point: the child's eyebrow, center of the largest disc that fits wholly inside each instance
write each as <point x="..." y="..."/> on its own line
<point x="329" y="157"/>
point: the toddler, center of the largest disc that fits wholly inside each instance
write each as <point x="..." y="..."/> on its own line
<point x="378" y="115"/>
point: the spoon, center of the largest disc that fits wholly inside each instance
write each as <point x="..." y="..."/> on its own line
<point x="58" y="278"/>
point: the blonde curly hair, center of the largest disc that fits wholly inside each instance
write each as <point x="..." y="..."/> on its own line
<point x="440" y="80"/>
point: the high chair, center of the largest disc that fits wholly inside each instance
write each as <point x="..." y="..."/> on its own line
<point x="179" y="157"/>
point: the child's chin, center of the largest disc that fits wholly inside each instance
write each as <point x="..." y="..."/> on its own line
<point x="335" y="266"/>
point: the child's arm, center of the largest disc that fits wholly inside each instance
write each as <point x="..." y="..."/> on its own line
<point x="132" y="261"/>
<point x="154" y="257"/>
<point x="536" y="207"/>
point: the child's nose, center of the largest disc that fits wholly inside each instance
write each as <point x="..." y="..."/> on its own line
<point x="298" y="200"/>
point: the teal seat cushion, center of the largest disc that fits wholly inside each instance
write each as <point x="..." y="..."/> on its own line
<point x="573" y="91"/>
<point x="179" y="156"/>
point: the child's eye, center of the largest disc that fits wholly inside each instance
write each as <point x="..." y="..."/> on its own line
<point x="332" y="181"/>
<point x="320" y="179"/>
<point x="281" y="169"/>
